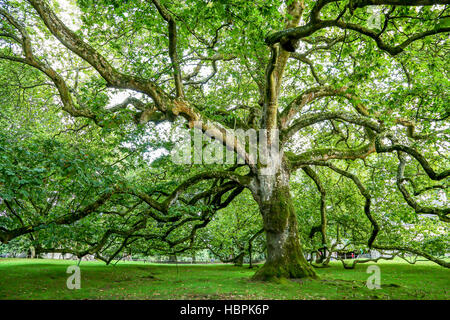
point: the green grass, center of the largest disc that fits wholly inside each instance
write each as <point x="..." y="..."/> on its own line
<point x="46" y="279"/>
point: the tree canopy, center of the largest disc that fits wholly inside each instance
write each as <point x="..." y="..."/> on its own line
<point x="95" y="96"/>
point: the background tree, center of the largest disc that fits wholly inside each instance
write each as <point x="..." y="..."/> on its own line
<point x="235" y="232"/>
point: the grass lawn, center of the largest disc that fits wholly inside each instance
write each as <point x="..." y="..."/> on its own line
<point x="46" y="279"/>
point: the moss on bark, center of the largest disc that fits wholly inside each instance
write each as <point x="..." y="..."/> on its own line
<point x="284" y="253"/>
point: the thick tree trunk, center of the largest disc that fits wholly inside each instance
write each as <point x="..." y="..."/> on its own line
<point x="284" y="253"/>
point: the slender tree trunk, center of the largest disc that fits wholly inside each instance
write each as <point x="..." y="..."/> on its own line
<point x="32" y="252"/>
<point x="285" y="257"/>
<point x="250" y="260"/>
<point x="250" y="247"/>
<point x="239" y="260"/>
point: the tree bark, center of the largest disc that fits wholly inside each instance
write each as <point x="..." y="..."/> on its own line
<point x="32" y="252"/>
<point x="239" y="260"/>
<point x="285" y="257"/>
<point x="250" y="251"/>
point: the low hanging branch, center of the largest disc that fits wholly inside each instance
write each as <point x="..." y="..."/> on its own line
<point x="357" y="261"/>
<point x="375" y="225"/>
<point x="442" y="213"/>
<point x="380" y="148"/>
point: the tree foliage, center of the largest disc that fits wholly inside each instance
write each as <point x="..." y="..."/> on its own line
<point x="357" y="91"/>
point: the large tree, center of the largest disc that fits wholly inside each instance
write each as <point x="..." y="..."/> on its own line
<point x="333" y="82"/>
